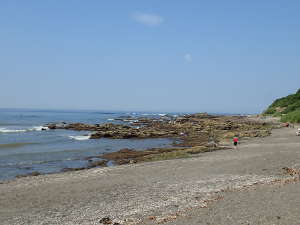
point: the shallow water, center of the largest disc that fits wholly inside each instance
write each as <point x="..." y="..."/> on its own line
<point x="25" y="147"/>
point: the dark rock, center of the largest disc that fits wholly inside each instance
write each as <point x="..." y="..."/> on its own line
<point x="72" y="169"/>
<point x="106" y="220"/>
<point x="33" y="174"/>
<point x="97" y="163"/>
<point x="191" y="130"/>
<point x="61" y="125"/>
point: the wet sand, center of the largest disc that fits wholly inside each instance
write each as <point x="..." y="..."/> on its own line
<point x="243" y="186"/>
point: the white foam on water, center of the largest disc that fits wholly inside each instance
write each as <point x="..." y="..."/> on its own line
<point x="5" y="130"/>
<point x="80" y="138"/>
<point x="154" y="114"/>
<point x="38" y="128"/>
<point x="110" y="119"/>
<point x="133" y="121"/>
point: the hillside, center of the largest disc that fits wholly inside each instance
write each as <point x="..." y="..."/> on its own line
<point x="287" y="107"/>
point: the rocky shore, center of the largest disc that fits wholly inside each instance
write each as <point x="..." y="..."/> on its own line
<point x="192" y="134"/>
<point x="258" y="184"/>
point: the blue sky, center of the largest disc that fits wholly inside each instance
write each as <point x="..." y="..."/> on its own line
<point x="172" y="55"/>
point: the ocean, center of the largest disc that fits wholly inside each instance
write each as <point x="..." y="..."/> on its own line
<point x="26" y="148"/>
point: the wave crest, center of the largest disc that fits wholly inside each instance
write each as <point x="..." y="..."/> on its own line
<point x="5" y="130"/>
<point x="37" y="128"/>
<point x="80" y="138"/>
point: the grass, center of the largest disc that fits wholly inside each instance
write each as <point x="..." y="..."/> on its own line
<point x="284" y="105"/>
<point x="293" y="117"/>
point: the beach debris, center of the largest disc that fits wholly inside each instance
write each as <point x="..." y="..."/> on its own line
<point x="151" y="217"/>
<point x="106" y="220"/>
<point x="292" y="172"/>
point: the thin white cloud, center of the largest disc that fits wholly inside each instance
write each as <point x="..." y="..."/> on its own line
<point x="147" y="19"/>
<point x="188" y="57"/>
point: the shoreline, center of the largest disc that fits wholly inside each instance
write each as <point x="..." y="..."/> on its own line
<point x="191" y="134"/>
<point x="134" y="193"/>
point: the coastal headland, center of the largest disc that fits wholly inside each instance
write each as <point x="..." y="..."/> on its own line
<point x="256" y="184"/>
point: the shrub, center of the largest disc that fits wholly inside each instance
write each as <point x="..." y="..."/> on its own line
<point x="293" y="117"/>
<point x="289" y="104"/>
<point x="270" y="111"/>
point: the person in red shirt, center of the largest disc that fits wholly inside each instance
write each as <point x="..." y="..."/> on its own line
<point x="235" y="142"/>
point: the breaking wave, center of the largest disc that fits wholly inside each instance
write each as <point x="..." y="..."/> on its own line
<point x="37" y="128"/>
<point x="154" y="114"/>
<point x="5" y="130"/>
<point x="80" y="138"/>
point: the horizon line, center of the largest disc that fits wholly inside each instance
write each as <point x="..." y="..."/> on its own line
<point x="126" y="110"/>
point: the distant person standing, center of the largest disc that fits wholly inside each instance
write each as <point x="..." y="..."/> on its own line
<point x="235" y="142"/>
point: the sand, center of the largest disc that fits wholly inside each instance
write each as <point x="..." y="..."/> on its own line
<point x="244" y="186"/>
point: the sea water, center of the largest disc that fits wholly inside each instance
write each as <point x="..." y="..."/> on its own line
<point x="25" y="145"/>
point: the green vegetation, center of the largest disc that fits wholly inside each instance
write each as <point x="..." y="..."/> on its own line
<point x="287" y="107"/>
<point x="293" y="117"/>
<point x="179" y="153"/>
<point x="167" y="155"/>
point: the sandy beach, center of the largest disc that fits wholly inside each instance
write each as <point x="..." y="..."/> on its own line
<point x="244" y="186"/>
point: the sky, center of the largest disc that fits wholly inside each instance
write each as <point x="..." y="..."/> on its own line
<point x="186" y="56"/>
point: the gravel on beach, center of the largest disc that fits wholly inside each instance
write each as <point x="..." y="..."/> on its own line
<point x="225" y="187"/>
